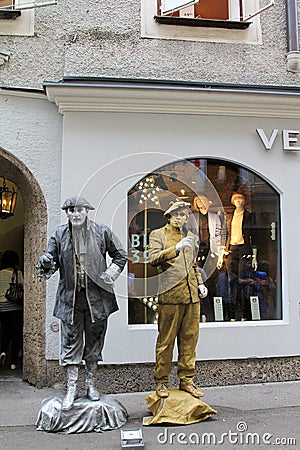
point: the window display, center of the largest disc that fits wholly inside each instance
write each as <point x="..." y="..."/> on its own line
<point x="236" y="217"/>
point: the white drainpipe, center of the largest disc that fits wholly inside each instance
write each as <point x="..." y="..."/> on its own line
<point x="293" y="55"/>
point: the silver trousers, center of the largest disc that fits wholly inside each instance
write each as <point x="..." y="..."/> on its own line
<point x="83" y="340"/>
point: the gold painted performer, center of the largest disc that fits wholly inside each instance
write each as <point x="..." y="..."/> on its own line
<point x="173" y="250"/>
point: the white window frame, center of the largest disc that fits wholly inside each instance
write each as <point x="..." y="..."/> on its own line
<point x="251" y="35"/>
<point x="21" y="26"/>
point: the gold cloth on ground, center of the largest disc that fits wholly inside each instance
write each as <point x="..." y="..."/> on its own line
<point x="179" y="408"/>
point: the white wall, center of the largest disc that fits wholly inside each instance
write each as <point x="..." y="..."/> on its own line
<point x="106" y="153"/>
<point x="104" y="39"/>
<point x="31" y="131"/>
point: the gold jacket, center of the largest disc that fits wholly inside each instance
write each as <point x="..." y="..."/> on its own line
<point x="178" y="274"/>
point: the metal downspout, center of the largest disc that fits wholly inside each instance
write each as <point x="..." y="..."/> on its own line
<point x="293" y="55"/>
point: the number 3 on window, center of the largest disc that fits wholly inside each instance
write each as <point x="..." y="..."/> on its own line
<point x="136" y="256"/>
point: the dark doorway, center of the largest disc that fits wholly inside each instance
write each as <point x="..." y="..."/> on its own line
<point x="11" y="254"/>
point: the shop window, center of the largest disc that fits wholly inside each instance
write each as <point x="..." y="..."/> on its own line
<point x="189" y="20"/>
<point x="14" y="21"/>
<point x="246" y="286"/>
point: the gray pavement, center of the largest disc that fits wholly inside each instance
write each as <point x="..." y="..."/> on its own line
<point x="257" y="415"/>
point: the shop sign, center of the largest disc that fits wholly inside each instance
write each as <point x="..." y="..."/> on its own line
<point x="289" y="139"/>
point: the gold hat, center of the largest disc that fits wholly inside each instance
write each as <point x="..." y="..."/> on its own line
<point x="179" y="204"/>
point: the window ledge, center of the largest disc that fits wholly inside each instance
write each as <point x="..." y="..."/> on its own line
<point x="211" y="23"/>
<point x="9" y="14"/>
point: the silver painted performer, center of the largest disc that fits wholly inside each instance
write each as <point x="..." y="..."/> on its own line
<point x="85" y="296"/>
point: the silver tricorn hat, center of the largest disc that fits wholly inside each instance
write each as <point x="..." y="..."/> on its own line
<point x="76" y="201"/>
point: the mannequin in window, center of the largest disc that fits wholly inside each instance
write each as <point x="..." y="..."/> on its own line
<point x="262" y="288"/>
<point x="210" y="231"/>
<point x="239" y="238"/>
<point x="247" y="284"/>
<point x="223" y="282"/>
<point x="210" y="254"/>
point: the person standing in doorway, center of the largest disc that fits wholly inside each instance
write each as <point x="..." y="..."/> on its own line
<point x="11" y="314"/>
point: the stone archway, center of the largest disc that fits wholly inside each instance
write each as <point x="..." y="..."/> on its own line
<point x="35" y="232"/>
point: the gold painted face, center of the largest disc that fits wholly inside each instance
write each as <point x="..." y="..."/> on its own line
<point x="179" y="218"/>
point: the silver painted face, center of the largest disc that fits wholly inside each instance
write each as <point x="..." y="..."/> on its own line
<point x="77" y="215"/>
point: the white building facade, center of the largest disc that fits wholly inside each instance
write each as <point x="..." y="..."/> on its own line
<point x="106" y="122"/>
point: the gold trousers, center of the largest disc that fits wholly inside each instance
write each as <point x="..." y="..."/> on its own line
<point x="181" y="322"/>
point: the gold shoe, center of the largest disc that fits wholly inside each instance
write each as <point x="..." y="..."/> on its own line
<point x="191" y="389"/>
<point x="162" y="390"/>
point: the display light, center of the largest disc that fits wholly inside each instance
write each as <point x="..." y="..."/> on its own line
<point x="148" y="197"/>
<point x="149" y="191"/>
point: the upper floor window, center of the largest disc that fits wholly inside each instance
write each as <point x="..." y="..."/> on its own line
<point x="7" y="10"/>
<point x="207" y="13"/>
<point x="14" y="21"/>
<point x="204" y="20"/>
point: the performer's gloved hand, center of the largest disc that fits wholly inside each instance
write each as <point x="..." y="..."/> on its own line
<point x="46" y="261"/>
<point x="111" y="274"/>
<point x="107" y="279"/>
<point x="185" y="242"/>
<point x="203" y="291"/>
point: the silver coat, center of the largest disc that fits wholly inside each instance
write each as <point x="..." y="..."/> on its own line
<point x="101" y="298"/>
